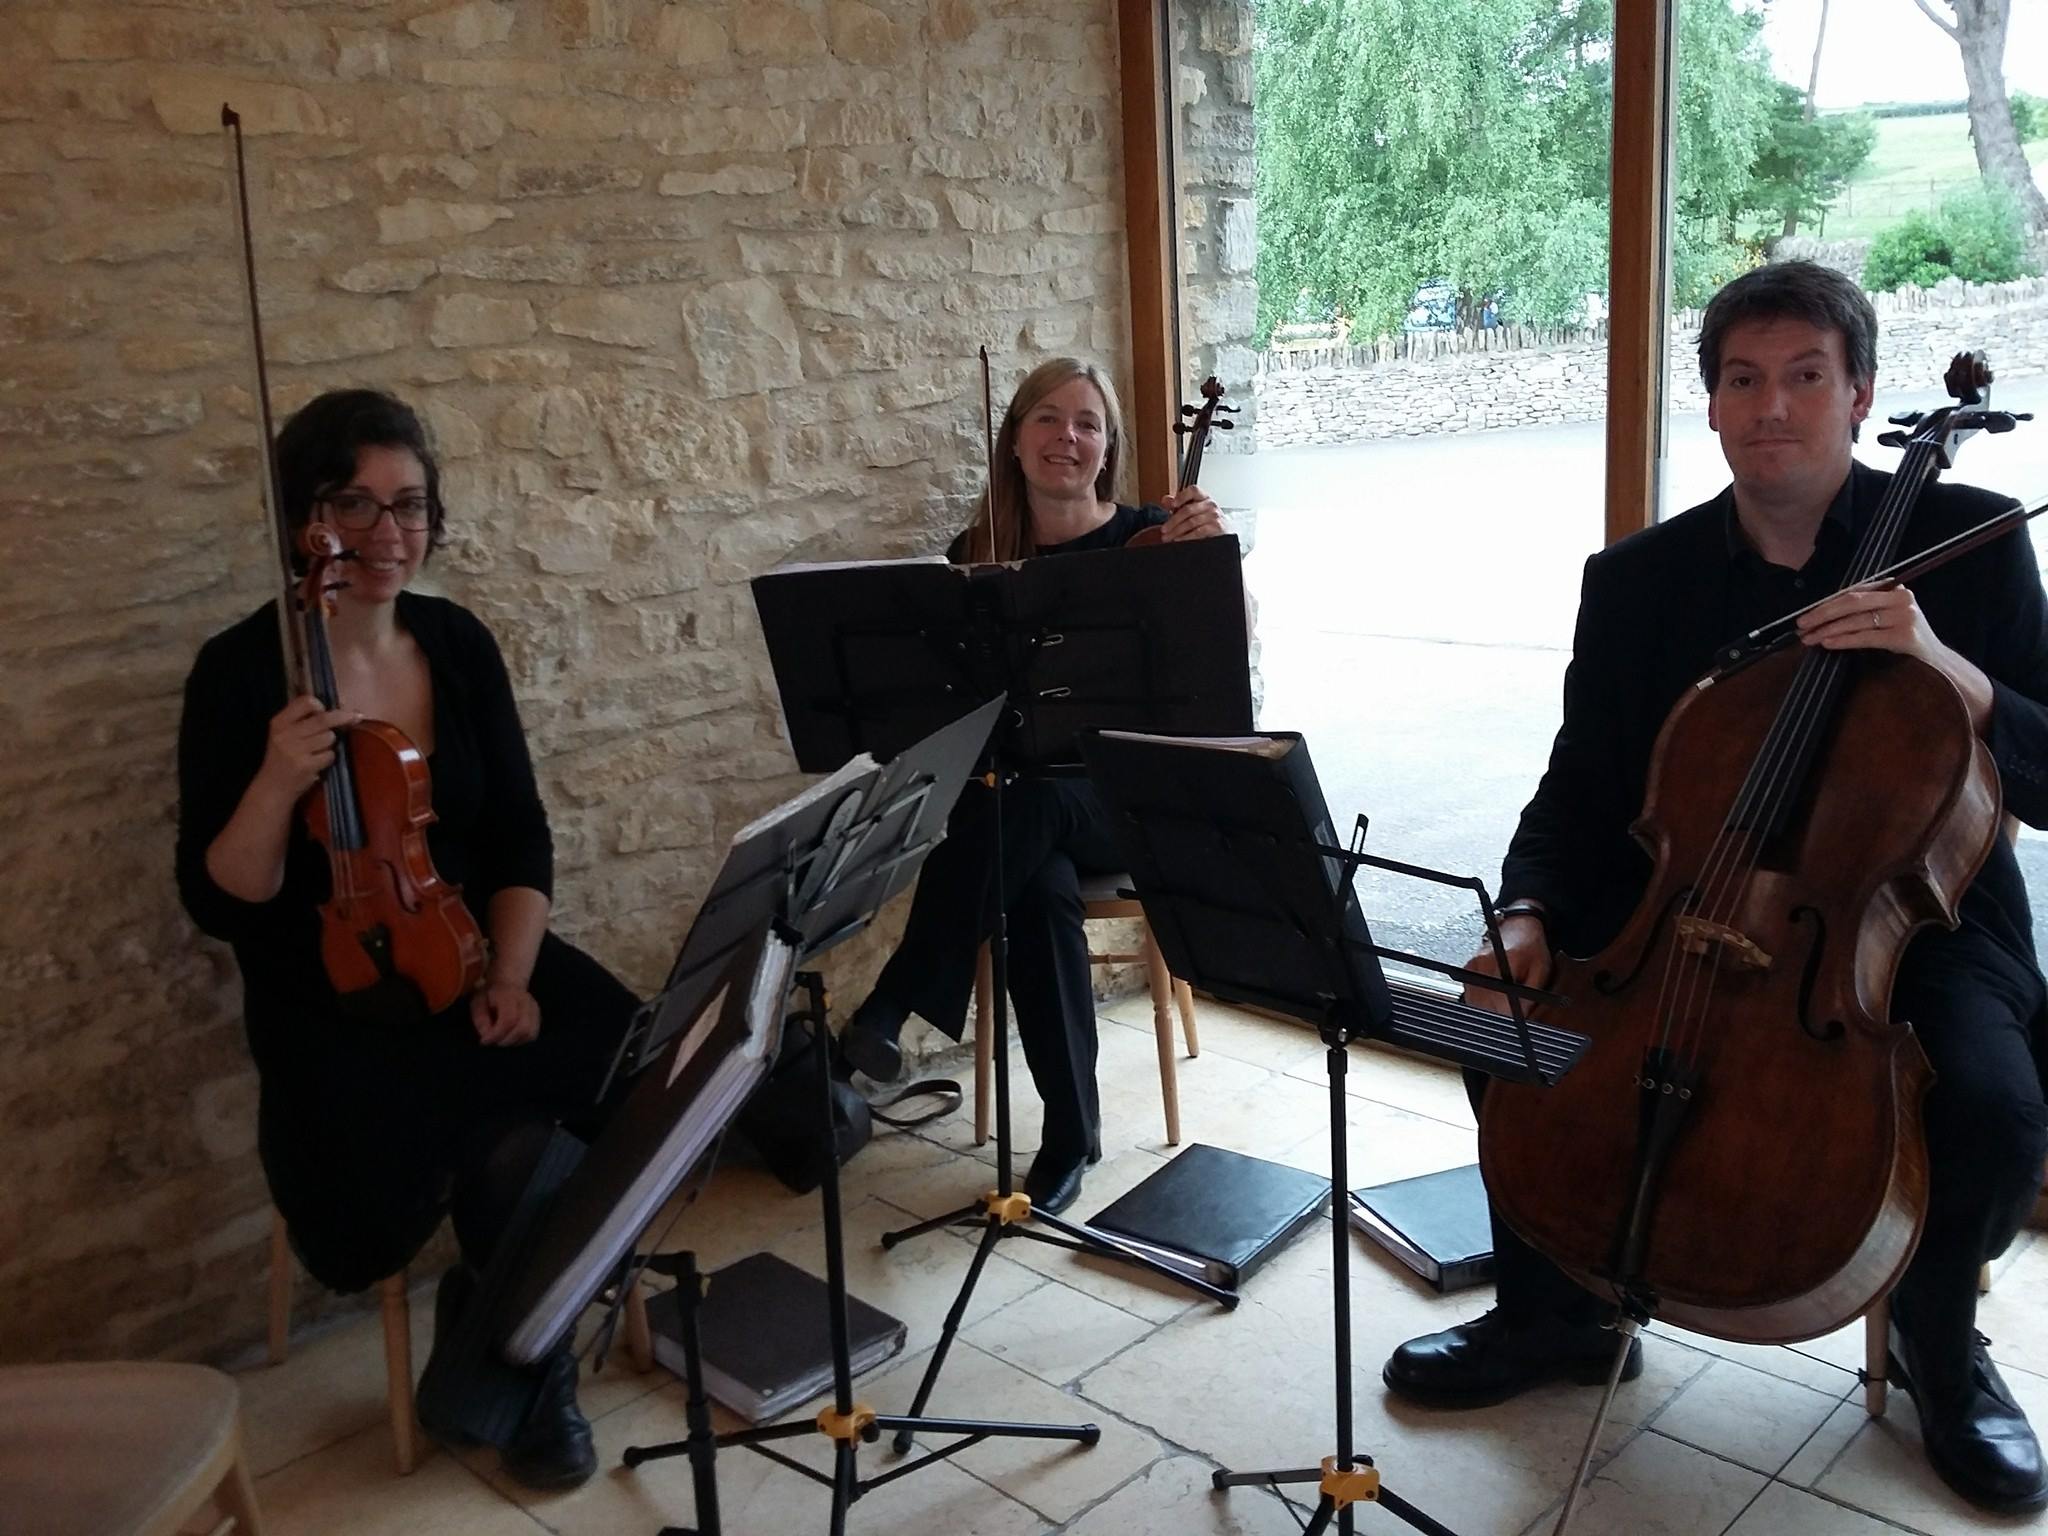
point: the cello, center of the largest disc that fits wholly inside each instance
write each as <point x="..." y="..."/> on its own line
<point x="1807" y="812"/>
<point x="394" y="937"/>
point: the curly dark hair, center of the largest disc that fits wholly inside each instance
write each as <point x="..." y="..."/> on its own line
<point x="317" y="448"/>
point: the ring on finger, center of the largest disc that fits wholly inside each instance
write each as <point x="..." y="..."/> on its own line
<point x="1876" y="619"/>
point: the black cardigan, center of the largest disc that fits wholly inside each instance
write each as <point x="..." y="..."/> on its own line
<point x="492" y="830"/>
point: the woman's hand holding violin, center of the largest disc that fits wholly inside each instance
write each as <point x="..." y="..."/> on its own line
<point x="1191" y="515"/>
<point x="302" y="745"/>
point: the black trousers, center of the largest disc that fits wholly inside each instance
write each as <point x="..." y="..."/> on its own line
<point x="1052" y="829"/>
<point x="1987" y="1135"/>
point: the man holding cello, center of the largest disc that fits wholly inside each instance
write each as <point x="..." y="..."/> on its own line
<point x="1788" y="354"/>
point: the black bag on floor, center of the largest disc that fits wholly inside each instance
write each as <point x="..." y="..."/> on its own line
<point x="781" y="1119"/>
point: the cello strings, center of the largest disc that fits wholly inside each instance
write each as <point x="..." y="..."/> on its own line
<point x="1819" y="678"/>
<point x="1789" y="743"/>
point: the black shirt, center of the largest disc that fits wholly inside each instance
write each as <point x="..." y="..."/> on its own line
<point x="1653" y="611"/>
<point x="1123" y="523"/>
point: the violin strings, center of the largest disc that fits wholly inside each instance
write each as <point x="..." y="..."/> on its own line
<point x="1774" y="776"/>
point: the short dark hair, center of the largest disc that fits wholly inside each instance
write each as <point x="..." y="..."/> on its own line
<point x="317" y="448"/>
<point x="1792" y="290"/>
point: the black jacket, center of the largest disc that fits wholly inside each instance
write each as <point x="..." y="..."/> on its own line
<point x="1653" y="610"/>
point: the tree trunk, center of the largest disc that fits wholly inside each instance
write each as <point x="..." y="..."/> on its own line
<point x="1979" y="32"/>
<point x="1820" y="36"/>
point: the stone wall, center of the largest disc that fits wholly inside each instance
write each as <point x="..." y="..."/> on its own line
<point x="1482" y="379"/>
<point x="684" y="289"/>
<point x="1219" y="238"/>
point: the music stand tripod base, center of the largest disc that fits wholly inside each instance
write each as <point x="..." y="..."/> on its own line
<point x="845" y="1422"/>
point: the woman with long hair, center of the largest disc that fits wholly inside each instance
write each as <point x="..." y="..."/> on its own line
<point x="1052" y="492"/>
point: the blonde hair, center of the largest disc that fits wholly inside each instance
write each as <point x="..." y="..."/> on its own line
<point x="1012" y="511"/>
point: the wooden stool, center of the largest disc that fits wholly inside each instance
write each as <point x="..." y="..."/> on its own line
<point x="1100" y="898"/>
<point x="121" y="1448"/>
<point x="1877" y="1347"/>
<point x="397" y="1312"/>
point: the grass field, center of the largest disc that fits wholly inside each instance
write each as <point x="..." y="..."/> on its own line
<point x="1918" y="161"/>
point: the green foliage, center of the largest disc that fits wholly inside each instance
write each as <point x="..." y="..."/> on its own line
<point x="1802" y="166"/>
<point x="1978" y="236"/>
<point x="2029" y="115"/>
<point x="1402" y="141"/>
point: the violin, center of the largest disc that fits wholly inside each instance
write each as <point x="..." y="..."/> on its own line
<point x="1193" y="428"/>
<point x="1740" y="1149"/>
<point x="391" y="930"/>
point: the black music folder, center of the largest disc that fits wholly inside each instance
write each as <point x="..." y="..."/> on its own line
<point x="766" y="1336"/>
<point x="1215" y="1213"/>
<point x="1437" y="1224"/>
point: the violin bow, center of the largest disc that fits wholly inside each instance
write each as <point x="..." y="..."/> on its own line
<point x="297" y="666"/>
<point x="988" y="434"/>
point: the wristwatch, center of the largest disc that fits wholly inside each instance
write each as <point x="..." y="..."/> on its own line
<point x="1521" y="909"/>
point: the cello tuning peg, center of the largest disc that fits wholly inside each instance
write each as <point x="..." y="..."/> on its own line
<point x="1906" y="418"/>
<point x="1190" y="410"/>
<point x="1893" y="439"/>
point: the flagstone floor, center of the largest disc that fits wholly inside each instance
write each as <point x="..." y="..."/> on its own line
<point x="1714" y="1438"/>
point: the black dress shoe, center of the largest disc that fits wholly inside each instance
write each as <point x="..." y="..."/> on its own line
<point x="1978" y="1440"/>
<point x="1494" y="1357"/>
<point x="870" y="1039"/>
<point x="1054" y="1183"/>
<point x="553" y="1448"/>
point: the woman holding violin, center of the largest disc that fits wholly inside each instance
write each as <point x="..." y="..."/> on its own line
<point x="1052" y="492"/>
<point x="379" y="1114"/>
<point x="1788" y="354"/>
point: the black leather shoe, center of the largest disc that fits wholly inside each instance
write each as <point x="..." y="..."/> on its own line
<point x="1978" y="1440"/>
<point x="1054" y="1183"/>
<point x="553" y="1448"/>
<point x="1493" y="1357"/>
<point x="870" y="1039"/>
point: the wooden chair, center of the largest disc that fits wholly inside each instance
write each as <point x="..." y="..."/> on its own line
<point x="1101" y="898"/>
<point x="397" y="1313"/>
<point x="122" y="1448"/>
<point x="1877" y="1348"/>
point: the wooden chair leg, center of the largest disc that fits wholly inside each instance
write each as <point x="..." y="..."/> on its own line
<point x="236" y="1495"/>
<point x="405" y="1431"/>
<point x="984" y="1043"/>
<point x="280" y="1288"/>
<point x="1984" y="1280"/>
<point x="1877" y="1349"/>
<point x="639" y="1337"/>
<point x="1184" y="995"/>
<point x="1162" y="1028"/>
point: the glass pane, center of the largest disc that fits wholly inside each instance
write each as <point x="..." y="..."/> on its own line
<point x="1416" y="298"/>
<point x="1870" y="163"/>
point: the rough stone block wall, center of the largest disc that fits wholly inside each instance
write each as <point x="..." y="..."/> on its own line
<point x="1219" y="237"/>
<point x="684" y="289"/>
<point x="1355" y="398"/>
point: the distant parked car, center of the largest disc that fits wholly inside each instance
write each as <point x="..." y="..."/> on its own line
<point x="1434" y="307"/>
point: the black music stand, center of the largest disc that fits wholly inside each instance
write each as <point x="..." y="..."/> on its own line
<point x="866" y="654"/>
<point x="1232" y="852"/>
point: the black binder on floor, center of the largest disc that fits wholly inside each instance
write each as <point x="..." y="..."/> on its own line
<point x="1436" y="1223"/>
<point x="766" y="1340"/>
<point x="1215" y="1213"/>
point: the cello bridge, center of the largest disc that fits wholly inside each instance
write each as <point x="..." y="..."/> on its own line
<point x="1698" y="935"/>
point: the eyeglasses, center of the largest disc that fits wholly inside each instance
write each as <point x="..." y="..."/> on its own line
<point x="358" y="510"/>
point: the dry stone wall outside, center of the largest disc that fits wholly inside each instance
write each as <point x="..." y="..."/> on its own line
<point x="684" y="290"/>
<point x="1468" y="384"/>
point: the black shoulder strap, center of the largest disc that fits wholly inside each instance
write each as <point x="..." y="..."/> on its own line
<point x="944" y="1089"/>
